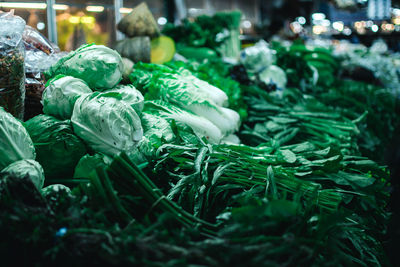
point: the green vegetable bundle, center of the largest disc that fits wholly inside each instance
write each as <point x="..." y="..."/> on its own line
<point x="296" y="118"/>
<point x="219" y="32"/>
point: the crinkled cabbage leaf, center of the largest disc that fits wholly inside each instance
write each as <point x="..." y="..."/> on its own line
<point x="15" y="142"/>
<point x="106" y="123"/>
<point x="99" y="66"/>
<point x="26" y="167"/>
<point x="60" y="95"/>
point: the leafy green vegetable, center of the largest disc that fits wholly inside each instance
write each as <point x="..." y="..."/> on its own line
<point x="88" y="164"/>
<point x="26" y="167"/>
<point x="200" y="125"/>
<point x="107" y="124"/>
<point x="60" y="95"/>
<point x="58" y="148"/>
<point x="295" y="118"/>
<point x="216" y="72"/>
<point x="187" y="92"/>
<point x="354" y="99"/>
<point x="156" y="128"/>
<point x="219" y="32"/>
<point x="130" y="96"/>
<point x="99" y="66"/>
<point x="15" y="142"/>
<point x="183" y="79"/>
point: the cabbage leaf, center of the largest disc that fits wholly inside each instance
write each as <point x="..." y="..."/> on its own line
<point x="107" y="124"/>
<point x="15" y="142"/>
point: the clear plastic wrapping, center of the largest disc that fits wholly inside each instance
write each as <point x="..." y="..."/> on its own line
<point x="40" y="55"/>
<point x="34" y="40"/>
<point x="258" y="57"/>
<point x="12" y="68"/>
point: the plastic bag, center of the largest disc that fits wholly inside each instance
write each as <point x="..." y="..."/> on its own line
<point x="40" y="55"/>
<point x="258" y="57"/>
<point x="12" y="69"/>
<point x="34" y="40"/>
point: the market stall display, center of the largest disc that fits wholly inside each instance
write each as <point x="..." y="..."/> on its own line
<point x="264" y="156"/>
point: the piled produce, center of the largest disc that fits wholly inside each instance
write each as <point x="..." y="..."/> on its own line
<point x="201" y="162"/>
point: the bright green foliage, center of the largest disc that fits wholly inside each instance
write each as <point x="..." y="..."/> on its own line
<point x="188" y="92"/>
<point x="201" y="126"/>
<point x="216" y="72"/>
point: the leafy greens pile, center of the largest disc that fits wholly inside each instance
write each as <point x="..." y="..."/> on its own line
<point x="198" y="163"/>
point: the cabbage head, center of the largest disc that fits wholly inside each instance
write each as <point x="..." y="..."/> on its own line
<point x="99" y="66"/>
<point x="58" y="148"/>
<point x="130" y="95"/>
<point x="15" y="142"/>
<point x="61" y="92"/>
<point x="106" y="123"/>
<point x="27" y="167"/>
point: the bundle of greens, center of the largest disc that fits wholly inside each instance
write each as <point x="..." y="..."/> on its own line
<point x="219" y="32"/>
<point x="307" y="66"/>
<point x="191" y="94"/>
<point x="296" y="118"/>
<point x="352" y="99"/>
<point x="216" y="72"/>
<point x="203" y="177"/>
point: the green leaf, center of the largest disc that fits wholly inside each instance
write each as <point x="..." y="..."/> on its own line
<point x="354" y="180"/>
<point x="288" y="156"/>
<point x="15" y="142"/>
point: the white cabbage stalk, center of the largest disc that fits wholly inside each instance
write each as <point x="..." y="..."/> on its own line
<point x="200" y="125"/>
<point x="219" y="97"/>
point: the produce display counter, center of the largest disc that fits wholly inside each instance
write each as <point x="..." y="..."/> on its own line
<point x="183" y="147"/>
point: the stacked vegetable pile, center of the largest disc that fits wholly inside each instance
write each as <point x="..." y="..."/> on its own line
<point x="194" y="163"/>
